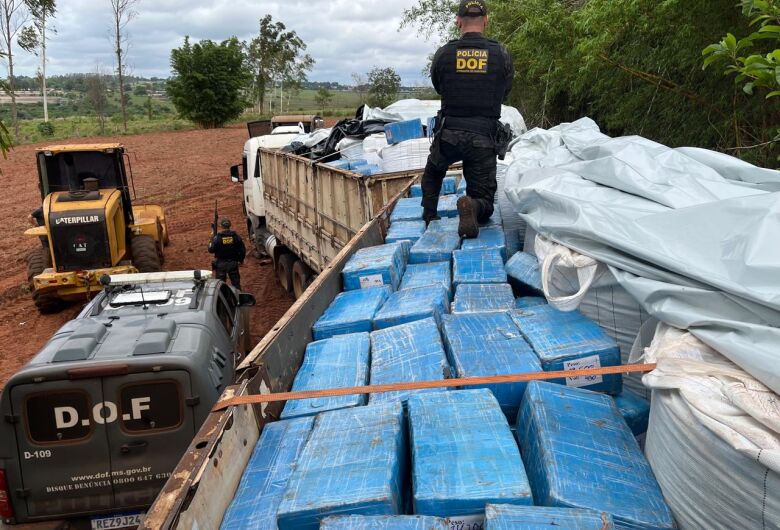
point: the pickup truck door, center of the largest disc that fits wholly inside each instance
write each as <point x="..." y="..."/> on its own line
<point x="253" y="184"/>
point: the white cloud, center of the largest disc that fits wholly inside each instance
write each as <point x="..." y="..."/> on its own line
<point x="343" y="36"/>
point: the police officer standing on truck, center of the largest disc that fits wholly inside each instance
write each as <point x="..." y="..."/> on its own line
<point x="473" y="75"/>
<point x="229" y="250"/>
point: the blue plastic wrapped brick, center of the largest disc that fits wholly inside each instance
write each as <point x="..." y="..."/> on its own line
<point x="490" y="344"/>
<point x="367" y="169"/>
<point x="339" y="362"/>
<point x="507" y="517"/>
<point x="351" y="312"/>
<point x="527" y="302"/>
<point x="353" y="463"/>
<point x="339" y="164"/>
<point x="407" y="210"/>
<point x="461" y="189"/>
<point x="478" y="266"/>
<point x="581" y="454"/>
<point x="405" y="230"/>
<point x="482" y="298"/>
<point x="401" y="131"/>
<point x="635" y="410"/>
<point x="404" y="354"/>
<point x="489" y="237"/>
<point x="266" y="475"/>
<point x="358" y="162"/>
<point x="434" y="246"/>
<point x="525" y="274"/>
<point x="448" y="206"/>
<point x="384" y="522"/>
<point x="447" y="188"/>
<point x="569" y="341"/>
<point x="437" y="273"/>
<point x="447" y="224"/>
<point x="376" y="266"/>
<point x="463" y="454"/>
<point x="410" y="305"/>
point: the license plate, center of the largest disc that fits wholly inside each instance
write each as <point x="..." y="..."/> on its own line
<point x="128" y="520"/>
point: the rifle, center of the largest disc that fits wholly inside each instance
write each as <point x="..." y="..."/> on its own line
<point x="214" y="229"/>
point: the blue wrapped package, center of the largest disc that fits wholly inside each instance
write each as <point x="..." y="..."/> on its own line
<point x="448" y="206"/>
<point x="482" y="298"/>
<point x="339" y="362"/>
<point x="384" y="522"/>
<point x="478" y="266"/>
<point x="507" y="517"/>
<point x="463" y="454"/>
<point x="434" y="246"/>
<point x="402" y="131"/>
<point x="447" y="188"/>
<point x="490" y="344"/>
<point x="405" y="230"/>
<point x="461" y="189"/>
<point x="404" y="354"/>
<point x="525" y="274"/>
<point x="353" y="463"/>
<point x="358" y="162"/>
<point x="527" y="302"/>
<point x="489" y="237"/>
<point x="376" y="266"/>
<point x="407" y="210"/>
<point x="447" y="224"/>
<point x="339" y="164"/>
<point x="351" y="312"/>
<point x="437" y="273"/>
<point x="410" y="305"/>
<point x="581" y="454"/>
<point x="367" y="169"/>
<point x="569" y="341"/>
<point x="266" y="475"/>
<point x="635" y="410"/>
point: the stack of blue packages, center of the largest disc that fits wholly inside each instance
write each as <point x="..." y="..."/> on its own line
<point x="340" y="362"/>
<point x="402" y="131"/>
<point x="434" y="246"/>
<point x="407" y="210"/>
<point x="376" y="266"/>
<point x="405" y="230"/>
<point x="489" y="237"/>
<point x="635" y="410"/>
<point x="351" y="312"/>
<point x="448" y="206"/>
<point x="482" y="298"/>
<point x="447" y="224"/>
<point x="581" y="454"/>
<point x="353" y="463"/>
<point x="524" y="274"/>
<point x="384" y="522"/>
<point x="367" y="169"/>
<point x="359" y="162"/>
<point x="447" y="188"/>
<point x="339" y="164"/>
<point x="266" y="475"/>
<point x="410" y="305"/>
<point x="437" y="273"/>
<point x="478" y="266"/>
<point x="569" y="341"/>
<point x="463" y="454"/>
<point x="527" y="302"/>
<point x="507" y="517"/>
<point x="405" y="354"/>
<point x="490" y="344"/>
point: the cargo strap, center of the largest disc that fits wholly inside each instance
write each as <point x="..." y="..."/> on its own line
<point x="422" y="385"/>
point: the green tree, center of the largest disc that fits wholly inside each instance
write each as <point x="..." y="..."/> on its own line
<point x="96" y="96"/>
<point x="5" y="138"/>
<point x="323" y="98"/>
<point x="122" y="12"/>
<point x="383" y="86"/>
<point x="33" y="39"/>
<point x="208" y="81"/>
<point x="13" y="16"/>
<point x="149" y="107"/>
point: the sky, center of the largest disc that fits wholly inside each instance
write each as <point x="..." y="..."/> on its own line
<point x="343" y="36"/>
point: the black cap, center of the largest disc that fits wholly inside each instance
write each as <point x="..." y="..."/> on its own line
<point x="472" y="8"/>
<point x="225" y="222"/>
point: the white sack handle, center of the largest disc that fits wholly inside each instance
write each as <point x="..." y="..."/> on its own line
<point x="588" y="270"/>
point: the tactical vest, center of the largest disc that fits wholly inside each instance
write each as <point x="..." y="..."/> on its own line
<point x="228" y="246"/>
<point x="473" y="78"/>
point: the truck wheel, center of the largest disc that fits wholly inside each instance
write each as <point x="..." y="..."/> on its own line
<point x="302" y="276"/>
<point x="146" y="257"/>
<point x="38" y="261"/>
<point x="284" y="268"/>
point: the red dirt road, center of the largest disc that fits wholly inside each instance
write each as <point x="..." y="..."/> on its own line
<point x="185" y="172"/>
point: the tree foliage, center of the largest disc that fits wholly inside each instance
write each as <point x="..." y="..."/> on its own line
<point x="208" y="81"/>
<point x="5" y="137"/>
<point x="323" y="97"/>
<point x="383" y="86"/>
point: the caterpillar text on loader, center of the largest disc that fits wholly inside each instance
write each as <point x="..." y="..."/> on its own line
<point x="88" y="225"/>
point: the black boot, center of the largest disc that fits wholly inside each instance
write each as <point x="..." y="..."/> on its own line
<point x="468" y="227"/>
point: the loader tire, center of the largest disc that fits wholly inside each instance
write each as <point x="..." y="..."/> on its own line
<point x="38" y="261"/>
<point x="284" y="266"/>
<point x="302" y="277"/>
<point x="146" y="256"/>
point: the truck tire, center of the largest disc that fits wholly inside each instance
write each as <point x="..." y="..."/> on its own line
<point x="284" y="268"/>
<point x="146" y="257"/>
<point x="38" y="261"/>
<point x="302" y="276"/>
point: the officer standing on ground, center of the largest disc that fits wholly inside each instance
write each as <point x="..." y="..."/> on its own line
<point x="229" y="250"/>
<point x="473" y="75"/>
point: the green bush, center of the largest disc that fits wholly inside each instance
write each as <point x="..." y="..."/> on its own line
<point x="46" y="129"/>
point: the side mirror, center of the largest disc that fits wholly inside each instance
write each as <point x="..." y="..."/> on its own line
<point x="235" y="175"/>
<point x="246" y="300"/>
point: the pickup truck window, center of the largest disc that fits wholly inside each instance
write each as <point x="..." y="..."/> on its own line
<point x="225" y="316"/>
<point x="55" y="417"/>
<point x="150" y="406"/>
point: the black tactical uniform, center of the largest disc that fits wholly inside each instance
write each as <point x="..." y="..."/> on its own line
<point x="229" y="250"/>
<point x="474" y="77"/>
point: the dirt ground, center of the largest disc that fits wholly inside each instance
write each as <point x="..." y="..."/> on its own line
<point x="183" y="171"/>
